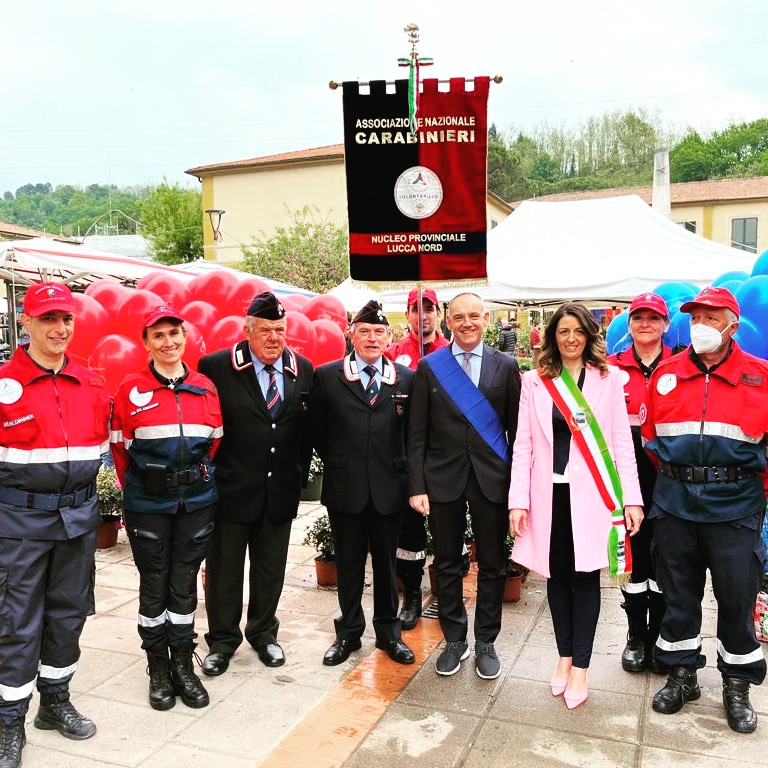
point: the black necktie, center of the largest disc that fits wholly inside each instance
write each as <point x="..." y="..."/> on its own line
<point x="372" y="390"/>
<point x="273" y="393"/>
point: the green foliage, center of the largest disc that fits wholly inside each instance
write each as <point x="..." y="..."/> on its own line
<point x="110" y="493"/>
<point x="312" y="253"/>
<point x="320" y="537"/>
<point x="172" y="222"/>
<point x="491" y="335"/>
<point x="72" y="211"/>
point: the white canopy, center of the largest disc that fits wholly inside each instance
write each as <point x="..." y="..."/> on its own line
<point x="597" y="250"/>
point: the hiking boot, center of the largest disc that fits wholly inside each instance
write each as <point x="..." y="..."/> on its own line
<point x="56" y="713"/>
<point x="12" y="741"/>
<point x="161" y="693"/>
<point x="185" y="682"/>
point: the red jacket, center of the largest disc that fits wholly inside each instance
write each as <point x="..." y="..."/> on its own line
<point x="53" y="430"/>
<point x="714" y="419"/>
<point x="178" y="428"/>
<point x="633" y="379"/>
<point x="406" y="351"/>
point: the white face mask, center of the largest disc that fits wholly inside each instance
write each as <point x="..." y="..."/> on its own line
<point x="705" y="338"/>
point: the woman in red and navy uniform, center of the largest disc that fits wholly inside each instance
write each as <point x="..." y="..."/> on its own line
<point x="643" y="600"/>
<point x="166" y="426"/>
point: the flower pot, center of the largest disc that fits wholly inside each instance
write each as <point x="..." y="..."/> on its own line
<point x="106" y="535"/>
<point x="313" y="490"/>
<point x="325" y="571"/>
<point x="513" y="588"/>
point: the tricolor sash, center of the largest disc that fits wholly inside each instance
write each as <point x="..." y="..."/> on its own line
<point x="590" y="440"/>
<point x="468" y="398"/>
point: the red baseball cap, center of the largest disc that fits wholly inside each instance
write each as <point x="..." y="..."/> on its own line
<point x="710" y="296"/>
<point x="48" y="297"/>
<point x="426" y="293"/>
<point x="162" y="312"/>
<point x="651" y="301"/>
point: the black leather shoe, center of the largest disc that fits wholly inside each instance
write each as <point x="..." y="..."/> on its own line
<point x="738" y="710"/>
<point x="271" y="655"/>
<point x="339" y="652"/>
<point x="57" y="715"/>
<point x="216" y="664"/>
<point x="397" y="650"/>
<point x="682" y="685"/>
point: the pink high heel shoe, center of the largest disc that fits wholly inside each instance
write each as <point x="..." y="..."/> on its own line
<point x="558" y="685"/>
<point x="573" y="700"/>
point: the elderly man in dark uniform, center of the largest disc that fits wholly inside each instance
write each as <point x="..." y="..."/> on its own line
<point x="463" y="420"/>
<point x="262" y="461"/>
<point x="54" y="427"/>
<point x="707" y="428"/>
<point x="358" y="411"/>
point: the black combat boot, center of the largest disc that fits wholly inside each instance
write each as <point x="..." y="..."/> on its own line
<point x="56" y="713"/>
<point x="741" y="717"/>
<point x="12" y="741"/>
<point x="161" y="694"/>
<point x="411" y="610"/>
<point x="633" y="657"/>
<point x="657" y="607"/>
<point x="185" y="682"/>
<point x="682" y="685"/>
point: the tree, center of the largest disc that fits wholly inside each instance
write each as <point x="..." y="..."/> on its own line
<point x="172" y="222"/>
<point x="312" y="253"/>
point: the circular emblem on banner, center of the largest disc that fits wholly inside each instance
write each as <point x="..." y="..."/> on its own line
<point x="139" y="398"/>
<point x="666" y="383"/>
<point x="418" y="192"/>
<point x="10" y="391"/>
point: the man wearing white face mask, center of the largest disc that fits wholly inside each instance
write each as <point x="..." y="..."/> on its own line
<point x="706" y="428"/>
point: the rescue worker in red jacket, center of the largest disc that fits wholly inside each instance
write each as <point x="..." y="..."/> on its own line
<point x="423" y="335"/>
<point x="643" y="600"/>
<point x="166" y="426"/>
<point x="707" y="426"/>
<point x="54" y="428"/>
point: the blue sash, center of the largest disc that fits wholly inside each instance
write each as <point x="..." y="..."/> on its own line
<point x="469" y="400"/>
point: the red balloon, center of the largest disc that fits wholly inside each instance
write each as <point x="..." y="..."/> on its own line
<point x="107" y="292"/>
<point x="300" y="334"/>
<point x="91" y="321"/>
<point x="202" y="315"/>
<point x="298" y="299"/>
<point x="133" y="309"/>
<point x="215" y="287"/>
<point x="289" y="305"/>
<point x="115" y="356"/>
<point x="242" y="295"/>
<point x="145" y="283"/>
<point x="169" y="288"/>
<point x="331" y="343"/>
<point x="327" y="307"/>
<point x="195" y="347"/>
<point x="226" y="333"/>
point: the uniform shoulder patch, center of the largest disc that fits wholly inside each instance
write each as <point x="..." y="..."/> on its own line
<point x="752" y="379"/>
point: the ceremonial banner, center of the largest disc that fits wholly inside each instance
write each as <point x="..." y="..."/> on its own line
<point x="416" y="200"/>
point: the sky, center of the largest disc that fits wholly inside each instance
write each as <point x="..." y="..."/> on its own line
<point x="138" y="92"/>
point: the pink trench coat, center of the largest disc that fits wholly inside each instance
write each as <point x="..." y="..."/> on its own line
<point x="531" y="484"/>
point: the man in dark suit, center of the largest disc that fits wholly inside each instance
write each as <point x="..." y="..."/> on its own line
<point x="262" y="461"/>
<point x="463" y="419"/>
<point x="358" y="412"/>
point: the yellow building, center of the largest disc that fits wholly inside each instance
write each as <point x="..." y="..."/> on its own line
<point x="259" y="195"/>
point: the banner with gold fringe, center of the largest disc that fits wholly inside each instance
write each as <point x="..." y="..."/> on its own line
<point x="417" y="199"/>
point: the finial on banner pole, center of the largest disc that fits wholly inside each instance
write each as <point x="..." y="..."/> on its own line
<point x="413" y="63"/>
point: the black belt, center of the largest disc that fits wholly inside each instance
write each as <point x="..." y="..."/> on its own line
<point x="184" y="477"/>
<point x="47" y="501"/>
<point x="705" y="474"/>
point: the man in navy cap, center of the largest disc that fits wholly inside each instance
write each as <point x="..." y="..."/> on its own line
<point x="707" y="428"/>
<point x="358" y="413"/>
<point x="261" y="464"/>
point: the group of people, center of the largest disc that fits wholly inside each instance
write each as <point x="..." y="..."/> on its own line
<point x="650" y="464"/>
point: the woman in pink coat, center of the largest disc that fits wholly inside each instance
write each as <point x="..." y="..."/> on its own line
<point x="558" y="511"/>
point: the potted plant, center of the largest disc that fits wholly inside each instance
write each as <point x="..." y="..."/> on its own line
<point x="513" y="584"/>
<point x="320" y="536"/>
<point x="315" y="481"/>
<point x="110" y="507"/>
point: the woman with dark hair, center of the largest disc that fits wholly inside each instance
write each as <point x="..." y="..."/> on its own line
<point x="166" y="426"/>
<point x="574" y="493"/>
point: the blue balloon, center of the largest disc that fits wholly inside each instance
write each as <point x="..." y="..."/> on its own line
<point x="729" y="276"/>
<point x="679" y="332"/>
<point x="617" y="336"/>
<point x="761" y="265"/>
<point x="752" y="296"/>
<point x="676" y="292"/>
<point x="731" y="285"/>
<point x="750" y="338"/>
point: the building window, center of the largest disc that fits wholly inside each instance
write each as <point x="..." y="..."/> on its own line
<point x="744" y="234"/>
<point x="688" y="225"/>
